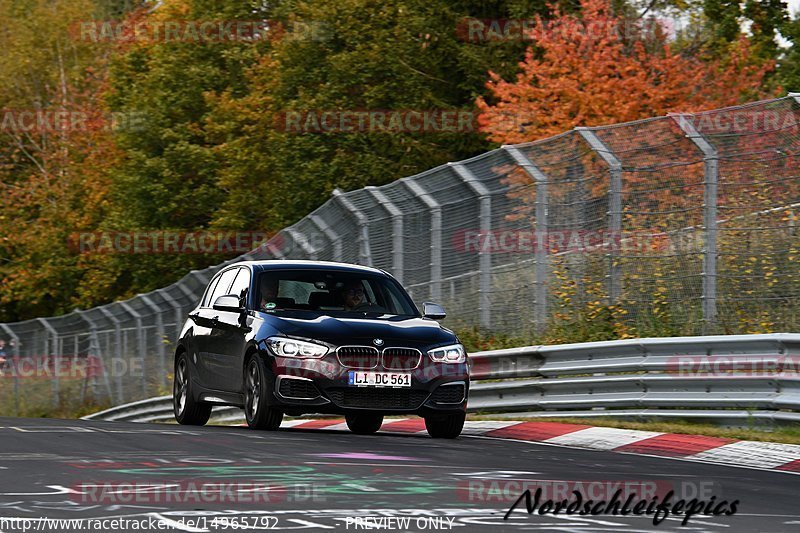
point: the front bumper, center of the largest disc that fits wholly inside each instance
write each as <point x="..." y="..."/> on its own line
<point x="304" y="386"/>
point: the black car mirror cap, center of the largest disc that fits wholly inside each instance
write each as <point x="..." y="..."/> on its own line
<point x="228" y="302"/>
<point x="432" y="310"/>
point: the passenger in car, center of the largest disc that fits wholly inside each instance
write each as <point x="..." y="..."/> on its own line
<point x="269" y="290"/>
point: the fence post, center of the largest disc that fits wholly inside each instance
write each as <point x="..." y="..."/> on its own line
<point x="300" y="239"/>
<point x="176" y="307"/>
<point x="94" y="349"/>
<point x="540" y="254"/>
<point x="711" y="172"/>
<point x="364" y="252"/>
<point x="484" y="257"/>
<point x="201" y="278"/>
<point x="15" y="355"/>
<point x="162" y="353"/>
<point x="141" y="345"/>
<point x="436" y="234"/>
<point x="56" y="357"/>
<point x="118" y="350"/>
<point x="614" y="210"/>
<point x="332" y="236"/>
<point x="397" y="230"/>
<point x="270" y="246"/>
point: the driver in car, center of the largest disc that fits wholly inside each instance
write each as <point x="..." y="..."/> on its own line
<point x="354" y="295"/>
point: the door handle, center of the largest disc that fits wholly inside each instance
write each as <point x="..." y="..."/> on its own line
<point x="215" y="321"/>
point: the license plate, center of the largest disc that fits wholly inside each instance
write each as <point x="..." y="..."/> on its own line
<point x="379" y="379"/>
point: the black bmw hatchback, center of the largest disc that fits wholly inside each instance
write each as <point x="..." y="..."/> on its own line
<point x="300" y="337"/>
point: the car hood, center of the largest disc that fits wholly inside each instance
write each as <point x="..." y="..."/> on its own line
<point x="396" y="331"/>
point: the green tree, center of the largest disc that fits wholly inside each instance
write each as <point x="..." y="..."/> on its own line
<point x="372" y="55"/>
<point x="169" y="178"/>
<point x="768" y="26"/>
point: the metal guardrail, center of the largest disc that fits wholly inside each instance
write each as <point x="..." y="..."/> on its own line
<point x="159" y="409"/>
<point x="732" y="378"/>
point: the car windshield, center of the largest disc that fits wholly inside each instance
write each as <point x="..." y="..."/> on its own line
<point x="332" y="293"/>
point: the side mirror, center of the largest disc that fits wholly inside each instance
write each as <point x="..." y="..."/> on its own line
<point x="229" y="302"/>
<point x="434" y="311"/>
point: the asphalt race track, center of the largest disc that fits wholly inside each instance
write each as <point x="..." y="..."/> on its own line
<point x="234" y="479"/>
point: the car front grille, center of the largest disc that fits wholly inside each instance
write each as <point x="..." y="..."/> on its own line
<point x="448" y="394"/>
<point x="297" y="388"/>
<point x="357" y="356"/>
<point x="377" y="398"/>
<point x="401" y="358"/>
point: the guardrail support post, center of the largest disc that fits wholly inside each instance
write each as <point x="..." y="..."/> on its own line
<point x="614" y="210"/>
<point x="711" y="163"/>
<point x="397" y="230"/>
<point x="484" y="257"/>
<point x="542" y="238"/>
<point x="436" y="235"/>
<point x="336" y="239"/>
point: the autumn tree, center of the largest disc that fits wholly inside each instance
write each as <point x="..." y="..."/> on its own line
<point x="597" y="68"/>
<point x="55" y="151"/>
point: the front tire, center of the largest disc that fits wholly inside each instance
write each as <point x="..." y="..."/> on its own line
<point x="257" y="412"/>
<point x="364" y="423"/>
<point x="445" y="426"/>
<point x="188" y="411"/>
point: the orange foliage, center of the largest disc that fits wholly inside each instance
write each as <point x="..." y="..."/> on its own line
<point x="583" y="71"/>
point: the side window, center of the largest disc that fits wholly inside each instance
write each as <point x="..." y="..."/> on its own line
<point x="241" y="282"/>
<point x="224" y="284"/>
<point x="209" y="292"/>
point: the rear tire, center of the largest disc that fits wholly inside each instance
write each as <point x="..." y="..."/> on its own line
<point x="188" y="411"/>
<point x="364" y="423"/>
<point x="445" y="426"/>
<point x="257" y="390"/>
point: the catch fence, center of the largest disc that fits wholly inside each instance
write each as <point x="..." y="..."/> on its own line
<point x="670" y="226"/>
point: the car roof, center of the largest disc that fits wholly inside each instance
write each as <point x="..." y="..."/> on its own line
<point x="286" y="264"/>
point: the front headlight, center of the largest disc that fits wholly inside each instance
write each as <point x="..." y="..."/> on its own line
<point x="294" y="348"/>
<point x="448" y="354"/>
